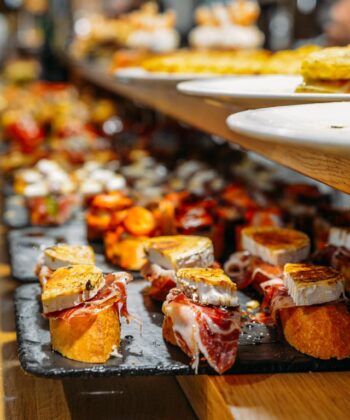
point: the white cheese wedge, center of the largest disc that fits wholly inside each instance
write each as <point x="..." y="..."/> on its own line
<point x="63" y="255"/>
<point x="178" y="251"/>
<point x="187" y="169"/>
<point x="313" y="285"/>
<point x="102" y="175"/>
<point x="116" y="183"/>
<point x="276" y="246"/>
<point x="91" y="187"/>
<point x="46" y="166"/>
<point x="39" y="189"/>
<point x="31" y="176"/>
<point x="207" y="286"/>
<point x="339" y="237"/>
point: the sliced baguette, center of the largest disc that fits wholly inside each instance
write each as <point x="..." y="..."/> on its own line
<point x="89" y="339"/>
<point x="321" y="331"/>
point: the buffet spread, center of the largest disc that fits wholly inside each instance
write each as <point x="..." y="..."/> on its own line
<point x="148" y="258"/>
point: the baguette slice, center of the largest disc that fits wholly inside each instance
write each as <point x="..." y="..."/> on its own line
<point x="276" y="246"/>
<point x="89" y="339"/>
<point x="321" y="331"/>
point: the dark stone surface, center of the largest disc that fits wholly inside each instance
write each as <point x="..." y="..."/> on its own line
<point x="16" y="215"/>
<point x="26" y="244"/>
<point x="146" y="353"/>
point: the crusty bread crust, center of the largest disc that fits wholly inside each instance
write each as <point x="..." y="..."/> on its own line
<point x="89" y="339"/>
<point x="320" y="331"/>
<point x="168" y="332"/>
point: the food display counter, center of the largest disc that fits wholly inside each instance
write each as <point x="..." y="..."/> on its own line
<point x="325" y="164"/>
<point x="174" y="239"/>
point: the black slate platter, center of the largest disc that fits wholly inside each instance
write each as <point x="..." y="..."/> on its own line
<point x="16" y="216"/>
<point x="25" y="246"/>
<point x="261" y="350"/>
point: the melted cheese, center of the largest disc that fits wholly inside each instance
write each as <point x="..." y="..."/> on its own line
<point x="63" y="255"/>
<point x="313" y="285"/>
<point x="207" y="286"/>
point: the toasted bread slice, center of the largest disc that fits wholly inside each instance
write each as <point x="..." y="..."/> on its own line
<point x="62" y="255"/>
<point x="89" y="339"/>
<point x="174" y="252"/>
<point x="321" y="331"/>
<point x="207" y="286"/>
<point x="312" y="285"/>
<point x="276" y="246"/>
<point x="70" y="286"/>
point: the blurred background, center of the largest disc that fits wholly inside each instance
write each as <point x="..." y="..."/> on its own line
<point x="41" y="27"/>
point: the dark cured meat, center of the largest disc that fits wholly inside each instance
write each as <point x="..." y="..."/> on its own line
<point x="218" y="329"/>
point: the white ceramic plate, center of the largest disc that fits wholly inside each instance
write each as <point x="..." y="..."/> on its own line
<point x="256" y="91"/>
<point x="316" y="125"/>
<point x="138" y="74"/>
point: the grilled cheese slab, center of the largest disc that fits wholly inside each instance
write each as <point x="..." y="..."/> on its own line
<point x="312" y="285"/>
<point x="276" y="246"/>
<point x="207" y="286"/>
<point x="63" y="255"/>
<point x="178" y="251"/>
<point x="70" y="286"/>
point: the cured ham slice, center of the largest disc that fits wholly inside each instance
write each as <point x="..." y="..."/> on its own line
<point x="162" y="280"/>
<point x="245" y="270"/>
<point x="276" y="297"/>
<point x="208" y="330"/>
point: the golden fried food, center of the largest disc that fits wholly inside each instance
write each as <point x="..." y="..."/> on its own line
<point x="326" y="71"/>
<point x="208" y="62"/>
<point x="288" y="61"/>
<point x="327" y="64"/>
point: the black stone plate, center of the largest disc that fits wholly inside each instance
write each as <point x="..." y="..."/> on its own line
<point x="25" y="246"/>
<point x="261" y="350"/>
<point x="16" y="215"/>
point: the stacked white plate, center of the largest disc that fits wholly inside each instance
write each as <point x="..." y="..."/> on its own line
<point x="325" y="125"/>
<point x="256" y="91"/>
